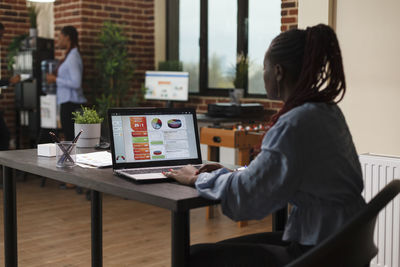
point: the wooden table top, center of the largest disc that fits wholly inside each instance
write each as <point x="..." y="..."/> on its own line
<point x="169" y="195"/>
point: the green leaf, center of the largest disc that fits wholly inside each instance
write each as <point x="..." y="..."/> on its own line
<point x="86" y="116"/>
<point x="114" y="68"/>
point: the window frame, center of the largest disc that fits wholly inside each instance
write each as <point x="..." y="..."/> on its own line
<point x="242" y="44"/>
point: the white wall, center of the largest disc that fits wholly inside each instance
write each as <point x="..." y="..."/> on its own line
<point x="45" y="19"/>
<point x="315" y="12"/>
<point x="369" y="36"/>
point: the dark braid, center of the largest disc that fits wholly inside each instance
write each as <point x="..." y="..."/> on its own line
<point x="72" y="33"/>
<point x="314" y="60"/>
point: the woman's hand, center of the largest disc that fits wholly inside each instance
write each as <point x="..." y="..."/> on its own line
<point x="186" y="175"/>
<point x="15" y="79"/>
<point x="51" y="78"/>
<point x="209" y="167"/>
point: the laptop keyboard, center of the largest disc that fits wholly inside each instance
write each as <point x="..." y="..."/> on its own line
<point x="155" y="170"/>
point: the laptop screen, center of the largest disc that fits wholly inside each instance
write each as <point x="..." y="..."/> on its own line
<point x="154" y="137"/>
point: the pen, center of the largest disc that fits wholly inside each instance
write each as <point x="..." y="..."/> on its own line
<point x="77" y="137"/>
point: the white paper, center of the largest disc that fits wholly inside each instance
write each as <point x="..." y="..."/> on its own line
<point x="48" y="111"/>
<point x="96" y="159"/>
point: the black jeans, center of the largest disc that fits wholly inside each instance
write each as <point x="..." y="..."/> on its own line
<point x="67" y="123"/>
<point x="263" y="249"/>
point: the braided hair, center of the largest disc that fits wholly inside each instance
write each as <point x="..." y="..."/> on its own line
<point x="72" y="33"/>
<point x="313" y="59"/>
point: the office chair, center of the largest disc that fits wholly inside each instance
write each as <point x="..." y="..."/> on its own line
<point x="353" y="245"/>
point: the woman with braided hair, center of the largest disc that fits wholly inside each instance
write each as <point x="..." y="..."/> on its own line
<point x="68" y="78"/>
<point x="307" y="159"/>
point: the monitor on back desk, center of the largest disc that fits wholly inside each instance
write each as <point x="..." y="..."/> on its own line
<point x="167" y="85"/>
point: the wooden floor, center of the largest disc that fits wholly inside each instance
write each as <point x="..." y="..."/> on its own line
<point x="54" y="229"/>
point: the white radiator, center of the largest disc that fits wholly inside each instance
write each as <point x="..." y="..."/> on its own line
<point x="378" y="171"/>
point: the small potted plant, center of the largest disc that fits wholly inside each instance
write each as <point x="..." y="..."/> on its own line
<point x="240" y="78"/>
<point x="89" y="121"/>
<point x="33" y="12"/>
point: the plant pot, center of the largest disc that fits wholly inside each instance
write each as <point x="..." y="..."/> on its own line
<point x="33" y="32"/>
<point x="235" y="95"/>
<point x="90" y="136"/>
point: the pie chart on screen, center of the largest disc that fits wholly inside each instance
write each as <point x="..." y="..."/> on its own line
<point x="156" y="123"/>
<point x="174" y="123"/>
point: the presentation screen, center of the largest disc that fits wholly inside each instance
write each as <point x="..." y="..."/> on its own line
<point x="167" y="85"/>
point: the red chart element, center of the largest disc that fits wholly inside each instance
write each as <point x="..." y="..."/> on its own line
<point x="139" y="130"/>
<point x="141" y="145"/>
<point x="141" y="151"/>
<point x="139" y="134"/>
<point x="142" y="157"/>
<point x="138" y="124"/>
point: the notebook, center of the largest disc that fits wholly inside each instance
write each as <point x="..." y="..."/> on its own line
<point x="145" y="142"/>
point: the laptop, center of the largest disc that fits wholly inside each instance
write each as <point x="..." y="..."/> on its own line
<point x="145" y="142"/>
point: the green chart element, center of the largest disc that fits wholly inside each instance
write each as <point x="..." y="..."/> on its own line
<point x="156" y="142"/>
<point x="140" y="139"/>
<point x="158" y="157"/>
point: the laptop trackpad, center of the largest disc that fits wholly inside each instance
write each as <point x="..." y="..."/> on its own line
<point x="148" y="176"/>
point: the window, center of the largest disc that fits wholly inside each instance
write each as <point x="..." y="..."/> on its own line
<point x="210" y="35"/>
<point x="221" y="43"/>
<point x="264" y="25"/>
<point x="189" y="32"/>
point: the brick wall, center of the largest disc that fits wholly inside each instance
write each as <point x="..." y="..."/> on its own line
<point x="135" y="16"/>
<point x="14" y="16"/>
<point x="289" y="14"/>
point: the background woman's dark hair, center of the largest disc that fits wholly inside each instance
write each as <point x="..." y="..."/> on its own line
<point x="72" y="33"/>
<point x="1" y="26"/>
<point x="312" y="58"/>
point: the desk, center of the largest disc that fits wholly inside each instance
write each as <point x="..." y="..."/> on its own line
<point x="177" y="198"/>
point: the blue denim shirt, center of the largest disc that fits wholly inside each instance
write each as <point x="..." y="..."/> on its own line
<point x="69" y="79"/>
<point x="307" y="159"/>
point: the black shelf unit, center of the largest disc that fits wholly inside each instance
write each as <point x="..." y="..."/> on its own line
<point x="27" y="93"/>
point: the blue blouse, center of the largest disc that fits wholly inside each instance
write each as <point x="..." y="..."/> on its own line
<point x="307" y="159"/>
<point x="69" y="79"/>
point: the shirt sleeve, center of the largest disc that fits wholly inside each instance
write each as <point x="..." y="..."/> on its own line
<point x="75" y="69"/>
<point x="264" y="186"/>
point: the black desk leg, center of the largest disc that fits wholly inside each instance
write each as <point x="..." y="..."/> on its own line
<point x="279" y="219"/>
<point x="97" y="229"/>
<point x="180" y="231"/>
<point x="10" y="219"/>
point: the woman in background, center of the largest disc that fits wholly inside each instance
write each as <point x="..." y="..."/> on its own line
<point x="307" y="159"/>
<point x="69" y="80"/>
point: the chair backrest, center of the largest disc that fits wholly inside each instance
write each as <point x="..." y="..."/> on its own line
<point x="353" y="245"/>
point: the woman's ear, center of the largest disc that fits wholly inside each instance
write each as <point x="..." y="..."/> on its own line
<point x="278" y="71"/>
